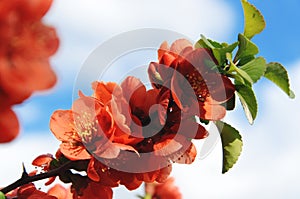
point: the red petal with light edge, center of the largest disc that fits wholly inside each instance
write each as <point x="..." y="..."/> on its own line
<point x="74" y="151"/>
<point x="42" y="160"/>
<point x="63" y="127"/>
<point x="179" y="45"/>
<point x="164" y="47"/>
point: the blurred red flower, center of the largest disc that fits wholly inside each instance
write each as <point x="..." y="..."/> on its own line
<point x="26" y="45"/>
<point x="164" y="190"/>
<point x="29" y="191"/>
<point x="94" y="190"/>
<point x="60" y="192"/>
<point x="9" y="125"/>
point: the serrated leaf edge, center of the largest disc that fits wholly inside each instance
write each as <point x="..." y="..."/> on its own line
<point x="251" y="5"/>
<point x="291" y="94"/>
<point x="223" y="148"/>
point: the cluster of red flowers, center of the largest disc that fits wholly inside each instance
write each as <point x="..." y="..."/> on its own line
<point x="26" y="45"/>
<point x="125" y="134"/>
<point x="164" y="190"/>
<point x="122" y="134"/>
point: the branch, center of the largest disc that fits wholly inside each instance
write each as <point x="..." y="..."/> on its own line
<point x="25" y="179"/>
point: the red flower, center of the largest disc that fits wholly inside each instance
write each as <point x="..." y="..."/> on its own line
<point x="128" y="105"/>
<point x="93" y="190"/>
<point x="164" y="190"/>
<point x="103" y="174"/>
<point x="208" y="86"/>
<point x="26" y="45"/>
<point x="44" y="161"/>
<point x="86" y="129"/>
<point x="193" y="84"/>
<point x="63" y="127"/>
<point x="9" y="125"/>
<point x="60" y="192"/>
<point x="29" y="191"/>
<point x="117" y="123"/>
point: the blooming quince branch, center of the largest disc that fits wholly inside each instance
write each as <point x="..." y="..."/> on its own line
<point x="124" y="134"/>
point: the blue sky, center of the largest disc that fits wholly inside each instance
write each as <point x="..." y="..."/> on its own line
<point x="278" y="42"/>
<point x="269" y="161"/>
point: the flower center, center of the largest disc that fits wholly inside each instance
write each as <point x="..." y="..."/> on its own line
<point x="86" y="126"/>
<point x="198" y="84"/>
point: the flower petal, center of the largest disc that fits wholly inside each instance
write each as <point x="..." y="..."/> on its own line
<point x="60" y="192"/>
<point x="103" y="91"/>
<point x="212" y="111"/>
<point x="219" y="87"/>
<point x="35" y="9"/>
<point x="94" y="190"/>
<point x="62" y="125"/>
<point x="164" y="173"/>
<point x="9" y="126"/>
<point x="134" y="91"/>
<point x="42" y="160"/>
<point x="179" y="45"/>
<point x="99" y="172"/>
<point x="74" y="151"/>
<point x="188" y="156"/>
<point x="189" y="128"/>
<point x="164" y="47"/>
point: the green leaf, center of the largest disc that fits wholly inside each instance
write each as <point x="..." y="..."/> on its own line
<point x="147" y="196"/>
<point x="255" y="68"/>
<point x="2" y="196"/>
<point x="207" y="43"/>
<point x="245" y="60"/>
<point x="248" y="101"/>
<point x="278" y="74"/>
<point x="219" y="50"/>
<point x="241" y="75"/>
<point x="247" y="49"/>
<point x="230" y="104"/>
<point x="231" y="144"/>
<point x="253" y="19"/>
<point x="244" y="75"/>
<point x="220" y="53"/>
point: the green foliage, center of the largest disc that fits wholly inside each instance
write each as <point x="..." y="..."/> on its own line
<point x="243" y="75"/>
<point x="245" y="68"/>
<point x="147" y="196"/>
<point x="219" y="50"/>
<point x="220" y="53"/>
<point x="247" y="49"/>
<point x="253" y="19"/>
<point x="277" y="74"/>
<point x="248" y="101"/>
<point x="2" y="196"/>
<point x="255" y="68"/>
<point x="231" y="144"/>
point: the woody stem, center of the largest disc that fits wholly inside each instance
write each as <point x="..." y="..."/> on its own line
<point x="25" y="179"/>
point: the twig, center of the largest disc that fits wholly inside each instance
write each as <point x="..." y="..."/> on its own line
<point x="25" y="179"/>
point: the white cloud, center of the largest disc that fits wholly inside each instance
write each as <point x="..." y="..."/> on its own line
<point x="24" y="150"/>
<point x="83" y="25"/>
<point x="94" y="18"/>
